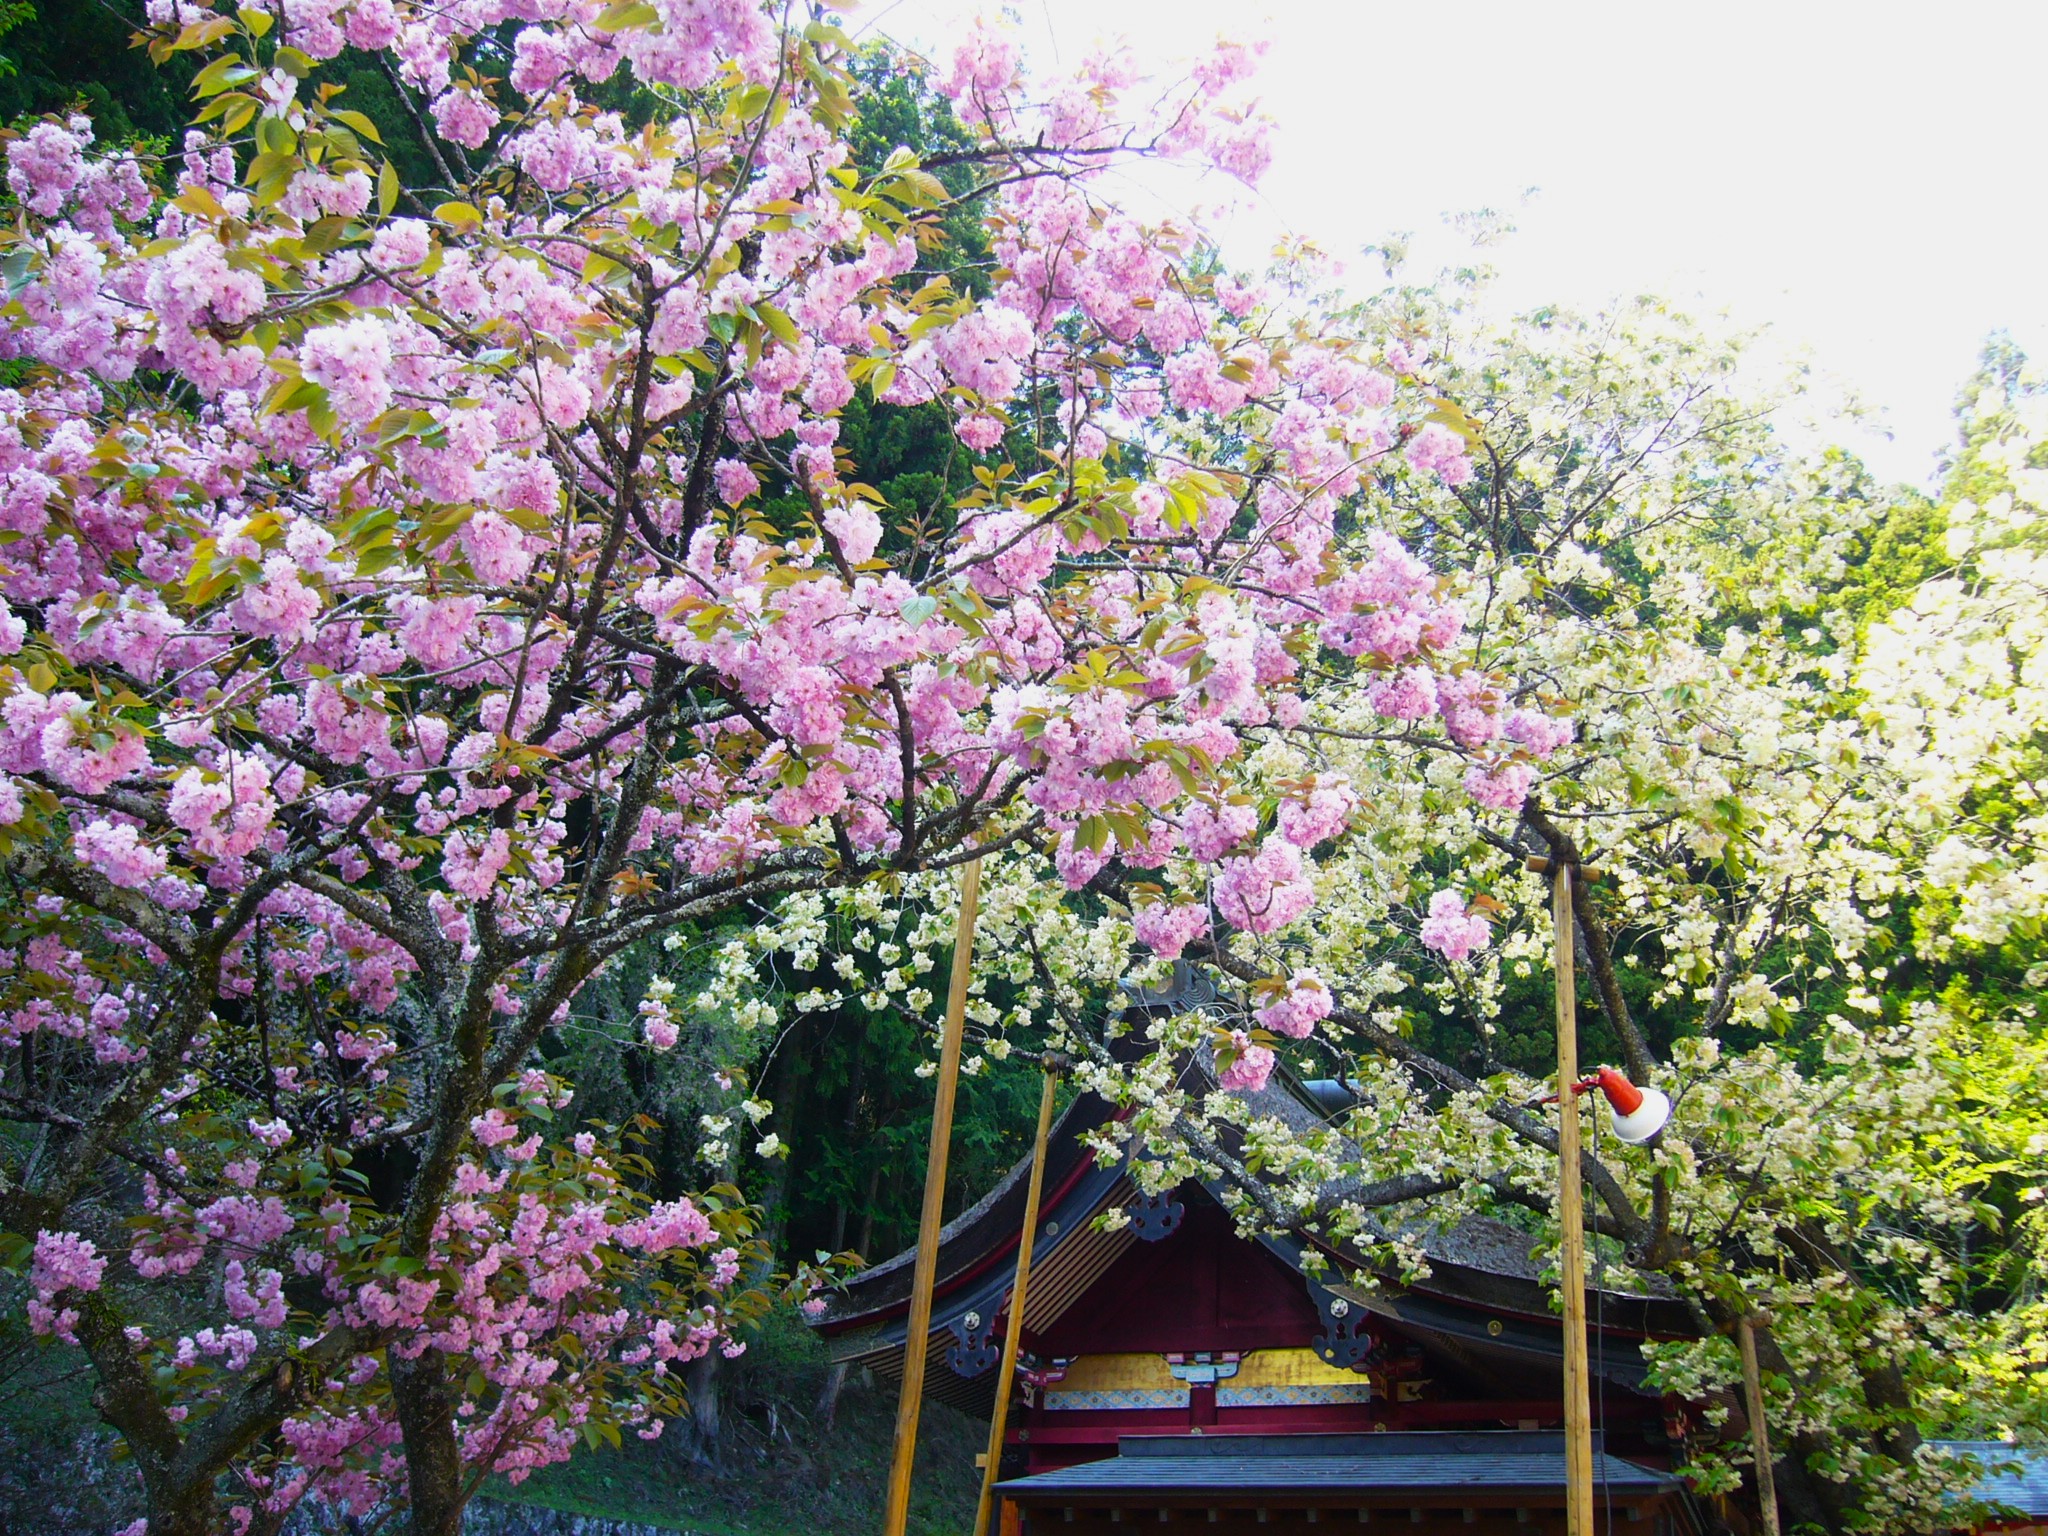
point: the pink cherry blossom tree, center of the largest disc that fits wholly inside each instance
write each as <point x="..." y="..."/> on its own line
<point x="413" y="600"/>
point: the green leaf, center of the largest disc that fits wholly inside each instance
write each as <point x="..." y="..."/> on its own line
<point x="196" y="199"/>
<point x="1452" y="415"/>
<point x="200" y="34"/>
<point x="600" y="268"/>
<point x="297" y="395"/>
<point x="626" y="13"/>
<point x="18" y="266"/>
<point x="527" y="518"/>
<point x="360" y="123"/>
<point x="387" y="188"/>
<point x="926" y="190"/>
<point x="443" y="525"/>
<point x="401" y="423"/>
<point x="275" y="136"/>
<point x="270" y="164"/>
<point x="223" y="72"/>
<point x="324" y="236"/>
<point x="784" y="328"/>
<point x="920" y="608"/>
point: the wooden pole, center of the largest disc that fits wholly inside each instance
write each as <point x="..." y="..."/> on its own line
<point x="1014" y="1332"/>
<point x="918" y="1337"/>
<point x="1571" y="1217"/>
<point x="1759" y="1437"/>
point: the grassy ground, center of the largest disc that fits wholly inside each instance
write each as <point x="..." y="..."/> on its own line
<point x="797" y="1481"/>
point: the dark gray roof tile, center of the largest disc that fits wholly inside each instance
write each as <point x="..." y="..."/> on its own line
<point x="1368" y="1466"/>
<point x="2021" y="1478"/>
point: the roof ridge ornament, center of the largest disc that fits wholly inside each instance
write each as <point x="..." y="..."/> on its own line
<point x="976" y="1352"/>
<point x="1345" y="1342"/>
<point x="1155" y="1217"/>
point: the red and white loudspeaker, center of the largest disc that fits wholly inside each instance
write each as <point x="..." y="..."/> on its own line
<point x="1635" y="1114"/>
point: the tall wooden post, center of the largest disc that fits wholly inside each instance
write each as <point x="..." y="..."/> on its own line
<point x="1759" y="1437"/>
<point x="1571" y="1217"/>
<point x="915" y="1341"/>
<point x="1015" y="1330"/>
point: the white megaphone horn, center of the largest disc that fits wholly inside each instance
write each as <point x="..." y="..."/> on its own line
<point x="1636" y="1114"/>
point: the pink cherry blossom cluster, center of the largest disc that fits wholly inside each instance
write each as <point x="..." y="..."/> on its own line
<point x="50" y="171"/>
<point x="1296" y="1011"/>
<point x="1167" y="927"/>
<point x="1451" y="930"/>
<point x="657" y="1025"/>
<point x="1249" y="1064"/>
<point x="1265" y="891"/>
<point x="1439" y="451"/>
<point x="1322" y="814"/>
<point x="117" y="851"/>
<point x="63" y="1261"/>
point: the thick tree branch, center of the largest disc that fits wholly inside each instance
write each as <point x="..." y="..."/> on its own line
<point x="1598" y="950"/>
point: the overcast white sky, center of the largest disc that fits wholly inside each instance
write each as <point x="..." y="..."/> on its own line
<point x="1865" y="179"/>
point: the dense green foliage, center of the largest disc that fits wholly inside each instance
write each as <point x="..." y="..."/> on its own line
<point x="62" y="56"/>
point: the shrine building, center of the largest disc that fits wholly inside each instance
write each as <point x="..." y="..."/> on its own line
<point x="1171" y="1369"/>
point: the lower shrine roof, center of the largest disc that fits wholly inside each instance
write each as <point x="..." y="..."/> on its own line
<point x="1368" y="1466"/>
<point x="2014" y="1478"/>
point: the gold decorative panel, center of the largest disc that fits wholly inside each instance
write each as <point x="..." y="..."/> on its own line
<point x="1116" y="1381"/>
<point x="1292" y="1368"/>
<point x="1263" y="1378"/>
<point x="1097" y="1373"/>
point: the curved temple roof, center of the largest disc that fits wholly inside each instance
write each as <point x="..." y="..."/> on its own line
<point x="1484" y="1298"/>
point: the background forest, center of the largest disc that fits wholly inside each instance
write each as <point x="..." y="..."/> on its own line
<point x="1810" y="712"/>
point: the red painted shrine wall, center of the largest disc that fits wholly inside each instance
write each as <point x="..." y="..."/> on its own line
<point x="1201" y="1288"/>
<point x="1204" y="1289"/>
